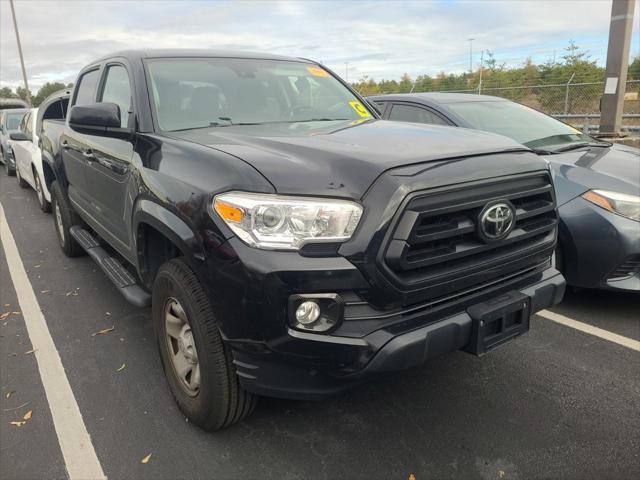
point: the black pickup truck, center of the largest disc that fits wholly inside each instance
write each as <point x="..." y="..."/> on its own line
<point x="289" y="242"/>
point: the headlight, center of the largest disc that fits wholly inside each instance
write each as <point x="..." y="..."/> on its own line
<point x="620" y="203"/>
<point x="277" y="222"/>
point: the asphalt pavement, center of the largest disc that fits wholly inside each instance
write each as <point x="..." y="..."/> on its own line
<point x="555" y="403"/>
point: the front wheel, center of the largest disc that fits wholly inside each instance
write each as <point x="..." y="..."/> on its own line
<point x="45" y="206"/>
<point x="197" y="364"/>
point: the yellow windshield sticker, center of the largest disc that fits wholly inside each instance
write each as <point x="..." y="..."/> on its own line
<point x="359" y="108"/>
<point x="318" y="72"/>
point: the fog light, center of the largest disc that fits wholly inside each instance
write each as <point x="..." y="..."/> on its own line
<point x="315" y="312"/>
<point x="307" y="312"/>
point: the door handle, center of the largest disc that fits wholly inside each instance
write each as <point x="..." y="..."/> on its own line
<point x="114" y="167"/>
<point x="89" y="155"/>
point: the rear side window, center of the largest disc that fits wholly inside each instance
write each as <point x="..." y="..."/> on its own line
<point x="118" y="90"/>
<point x="86" y="92"/>
<point x="409" y="113"/>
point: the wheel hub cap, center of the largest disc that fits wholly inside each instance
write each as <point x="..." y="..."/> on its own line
<point x="181" y="347"/>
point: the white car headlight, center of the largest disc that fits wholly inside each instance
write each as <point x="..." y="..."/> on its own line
<point x="276" y="222"/>
<point x="621" y="203"/>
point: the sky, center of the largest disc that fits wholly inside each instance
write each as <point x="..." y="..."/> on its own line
<point x="379" y="39"/>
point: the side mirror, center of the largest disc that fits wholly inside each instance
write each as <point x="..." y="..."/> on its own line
<point x="98" y="119"/>
<point x="19" y="137"/>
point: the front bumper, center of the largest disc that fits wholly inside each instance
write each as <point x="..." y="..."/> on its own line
<point x="595" y="243"/>
<point x="303" y="365"/>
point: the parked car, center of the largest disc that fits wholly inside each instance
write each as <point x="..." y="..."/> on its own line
<point x="12" y="103"/>
<point x="9" y="123"/>
<point x="597" y="182"/>
<point x="27" y="145"/>
<point x="28" y="158"/>
<point x="289" y="242"/>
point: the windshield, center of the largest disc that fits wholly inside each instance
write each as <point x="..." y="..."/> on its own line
<point x="523" y="124"/>
<point x="203" y="92"/>
<point x="12" y="120"/>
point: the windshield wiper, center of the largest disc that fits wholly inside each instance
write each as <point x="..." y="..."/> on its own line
<point x="575" y="146"/>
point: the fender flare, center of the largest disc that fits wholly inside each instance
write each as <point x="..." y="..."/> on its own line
<point x="168" y="224"/>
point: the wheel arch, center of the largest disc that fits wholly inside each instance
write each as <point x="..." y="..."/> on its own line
<point x="161" y="235"/>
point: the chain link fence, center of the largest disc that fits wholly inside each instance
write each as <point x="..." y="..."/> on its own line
<point x="575" y="103"/>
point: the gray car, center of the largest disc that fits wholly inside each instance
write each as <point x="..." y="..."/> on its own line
<point x="9" y="123"/>
<point x="597" y="183"/>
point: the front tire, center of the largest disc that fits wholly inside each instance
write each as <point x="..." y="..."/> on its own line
<point x="64" y="217"/>
<point x="197" y="364"/>
<point x="45" y="206"/>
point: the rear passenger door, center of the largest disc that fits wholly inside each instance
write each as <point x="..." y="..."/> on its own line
<point x="109" y="160"/>
<point x="414" y="113"/>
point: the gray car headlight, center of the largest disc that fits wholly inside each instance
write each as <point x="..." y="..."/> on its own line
<point x="276" y="222"/>
<point x="620" y="203"/>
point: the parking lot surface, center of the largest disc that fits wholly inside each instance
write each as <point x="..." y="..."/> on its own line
<point x="556" y="402"/>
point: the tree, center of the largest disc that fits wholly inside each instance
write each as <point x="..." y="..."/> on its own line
<point x="22" y="93"/>
<point x="406" y="84"/>
<point x="634" y="69"/>
<point x="6" y="92"/>
<point x="46" y="90"/>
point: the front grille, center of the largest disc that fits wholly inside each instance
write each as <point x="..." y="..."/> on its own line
<point x="628" y="268"/>
<point x="436" y="244"/>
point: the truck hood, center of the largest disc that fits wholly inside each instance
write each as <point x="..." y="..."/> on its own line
<point x="338" y="158"/>
<point x="615" y="168"/>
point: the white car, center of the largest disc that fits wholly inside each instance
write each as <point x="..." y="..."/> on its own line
<point x="26" y="151"/>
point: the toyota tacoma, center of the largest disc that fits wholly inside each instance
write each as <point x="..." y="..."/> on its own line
<point x="289" y="242"/>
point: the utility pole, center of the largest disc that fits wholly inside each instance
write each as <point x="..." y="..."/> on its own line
<point x="346" y="71"/>
<point x="612" y="103"/>
<point x="24" y="71"/>
<point x="470" y="40"/>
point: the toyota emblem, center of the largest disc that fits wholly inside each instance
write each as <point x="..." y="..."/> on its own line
<point x="496" y="221"/>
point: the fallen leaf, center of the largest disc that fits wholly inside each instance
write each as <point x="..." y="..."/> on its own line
<point x="104" y="330"/>
<point x="18" y="424"/>
<point x="37" y="266"/>
<point x="412" y="476"/>
<point x="7" y="304"/>
<point x="108" y="313"/>
<point x="33" y="350"/>
<point x="121" y="368"/>
<point x="9" y="393"/>
<point x="16" y="313"/>
<point x="4" y="315"/>
<point x="146" y="459"/>
<point x="27" y="416"/>
<point x="501" y="474"/>
<point x="45" y="291"/>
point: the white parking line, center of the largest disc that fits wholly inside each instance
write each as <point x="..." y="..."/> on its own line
<point x="591" y="330"/>
<point x="78" y="452"/>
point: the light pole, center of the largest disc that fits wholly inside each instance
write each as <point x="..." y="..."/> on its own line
<point x="346" y="71"/>
<point x="24" y="71"/>
<point x="471" y="55"/>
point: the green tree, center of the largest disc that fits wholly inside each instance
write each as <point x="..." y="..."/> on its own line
<point x="22" y="93"/>
<point x="6" y="92"/>
<point x="46" y="90"/>
<point x="634" y="69"/>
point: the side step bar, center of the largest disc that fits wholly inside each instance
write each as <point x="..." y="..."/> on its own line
<point x="120" y="276"/>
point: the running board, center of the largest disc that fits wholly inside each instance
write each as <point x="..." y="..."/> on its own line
<point x="120" y="276"/>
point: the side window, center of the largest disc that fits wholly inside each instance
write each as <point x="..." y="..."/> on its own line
<point x="86" y="91"/>
<point x="409" y="113"/>
<point x="118" y="90"/>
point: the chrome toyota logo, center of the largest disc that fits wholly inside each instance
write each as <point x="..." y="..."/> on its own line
<point x="496" y="221"/>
